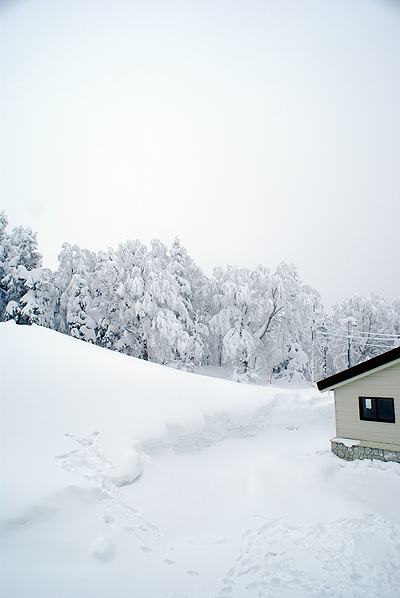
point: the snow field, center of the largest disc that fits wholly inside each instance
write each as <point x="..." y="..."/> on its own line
<point x="125" y="478"/>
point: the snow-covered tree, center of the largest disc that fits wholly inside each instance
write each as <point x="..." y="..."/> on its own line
<point x="361" y="328"/>
<point x="161" y="310"/>
<point x="232" y="325"/>
<point x="4" y="250"/>
<point x="193" y="288"/>
<point x="120" y="285"/>
<point x="75" y="301"/>
<point x="395" y="309"/>
<point x="290" y="363"/>
<point x="259" y="316"/>
<point x="287" y="324"/>
<point x="20" y="270"/>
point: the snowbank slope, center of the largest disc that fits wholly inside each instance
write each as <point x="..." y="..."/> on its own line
<point x="121" y="477"/>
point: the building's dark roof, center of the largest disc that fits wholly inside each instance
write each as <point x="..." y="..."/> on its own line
<point x="360" y="368"/>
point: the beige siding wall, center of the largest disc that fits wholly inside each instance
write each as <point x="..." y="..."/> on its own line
<point x="384" y="383"/>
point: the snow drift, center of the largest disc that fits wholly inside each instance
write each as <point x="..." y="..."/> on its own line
<point x="121" y="477"/>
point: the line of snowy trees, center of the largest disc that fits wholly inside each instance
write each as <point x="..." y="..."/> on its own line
<point x="156" y="304"/>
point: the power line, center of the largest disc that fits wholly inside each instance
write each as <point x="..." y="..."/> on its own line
<point x="361" y="338"/>
<point x="357" y="338"/>
<point x="360" y="332"/>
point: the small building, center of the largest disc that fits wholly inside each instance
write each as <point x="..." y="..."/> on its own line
<point x="367" y="408"/>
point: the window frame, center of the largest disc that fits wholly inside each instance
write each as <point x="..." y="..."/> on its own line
<point x="361" y="407"/>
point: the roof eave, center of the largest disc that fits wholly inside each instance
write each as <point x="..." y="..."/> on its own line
<point x="356" y="377"/>
<point x="359" y="370"/>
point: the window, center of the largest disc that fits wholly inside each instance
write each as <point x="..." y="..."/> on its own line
<point x="376" y="409"/>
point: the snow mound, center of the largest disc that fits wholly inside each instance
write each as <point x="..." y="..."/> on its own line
<point x="130" y="468"/>
<point x="103" y="549"/>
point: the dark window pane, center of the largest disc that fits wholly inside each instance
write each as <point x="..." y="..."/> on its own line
<point x="385" y="410"/>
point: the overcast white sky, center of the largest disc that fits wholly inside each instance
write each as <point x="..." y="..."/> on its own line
<point x="257" y="131"/>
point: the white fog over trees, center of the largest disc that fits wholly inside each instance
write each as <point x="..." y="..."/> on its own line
<point x="156" y="304"/>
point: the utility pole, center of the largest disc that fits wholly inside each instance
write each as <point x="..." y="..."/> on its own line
<point x="312" y="349"/>
<point x="350" y="322"/>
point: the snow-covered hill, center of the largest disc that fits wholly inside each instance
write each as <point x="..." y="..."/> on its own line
<point x="123" y="478"/>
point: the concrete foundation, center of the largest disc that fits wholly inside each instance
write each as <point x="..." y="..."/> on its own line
<point x="345" y="450"/>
